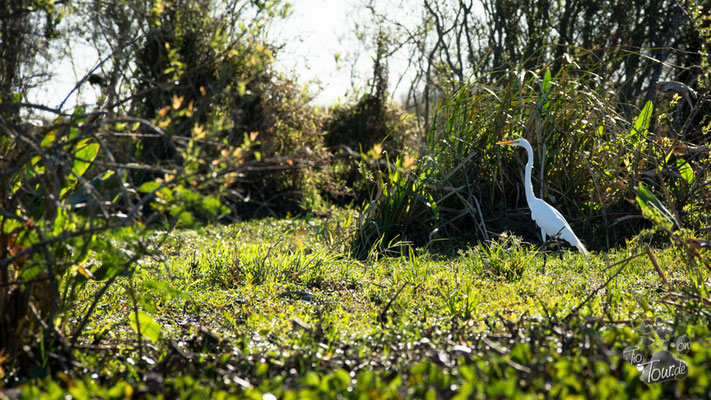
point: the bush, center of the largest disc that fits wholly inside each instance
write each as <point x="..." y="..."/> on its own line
<point x="352" y="130"/>
<point x="204" y="75"/>
<point x="210" y="124"/>
<point x="291" y="144"/>
<point x="369" y="122"/>
<point x="588" y="162"/>
<point x="46" y="236"/>
<point x="66" y="202"/>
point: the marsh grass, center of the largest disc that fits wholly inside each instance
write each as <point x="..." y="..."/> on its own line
<point x="479" y="323"/>
<point x="588" y="162"/>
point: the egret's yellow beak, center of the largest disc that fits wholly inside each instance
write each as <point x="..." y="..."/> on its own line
<point x="506" y="142"/>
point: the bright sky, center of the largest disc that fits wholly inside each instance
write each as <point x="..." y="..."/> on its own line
<point x="313" y="35"/>
<point x="317" y="31"/>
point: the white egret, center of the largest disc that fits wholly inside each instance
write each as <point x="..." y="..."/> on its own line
<point x="551" y="222"/>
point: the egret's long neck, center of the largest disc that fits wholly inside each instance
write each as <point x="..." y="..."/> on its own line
<point x="527" y="178"/>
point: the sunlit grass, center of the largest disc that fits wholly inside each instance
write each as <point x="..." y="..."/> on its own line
<point x="279" y="306"/>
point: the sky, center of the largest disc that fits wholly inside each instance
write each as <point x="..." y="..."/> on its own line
<point x="316" y="31"/>
<point x="312" y="36"/>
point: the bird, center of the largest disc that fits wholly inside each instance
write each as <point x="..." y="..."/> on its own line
<point x="550" y="220"/>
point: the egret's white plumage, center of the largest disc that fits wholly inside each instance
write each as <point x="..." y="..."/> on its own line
<point x="550" y="221"/>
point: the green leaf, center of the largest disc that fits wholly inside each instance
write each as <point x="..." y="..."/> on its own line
<point x="521" y="353"/>
<point x="185" y="217"/>
<point x="49" y="138"/>
<point x="149" y="327"/>
<point x="85" y="154"/>
<point x="78" y="118"/>
<point x="262" y="369"/>
<point x="28" y="272"/>
<point x="121" y="390"/>
<point x="503" y="388"/>
<point x="547" y="81"/>
<point x="653" y="209"/>
<point x="685" y="170"/>
<point x="546" y="86"/>
<point x="212" y="205"/>
<point x="148" y="187"/>
<point x="641" y="125"/>
<point x="433" y="205"/>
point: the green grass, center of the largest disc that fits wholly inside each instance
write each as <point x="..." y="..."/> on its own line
<point x="482" y="322"/>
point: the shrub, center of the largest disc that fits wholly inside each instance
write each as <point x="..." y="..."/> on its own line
<point x="204" y="75"/>
<point x="588" y="161"/>
<point x="46" y="237"/>
<point x="65" y="202"/>
<point x="352" y="130"/>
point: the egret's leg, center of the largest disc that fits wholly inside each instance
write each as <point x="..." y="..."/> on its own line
<point x="555" y="240"/>
<point x="545" y="248"/>
<point x="544" y="261"/>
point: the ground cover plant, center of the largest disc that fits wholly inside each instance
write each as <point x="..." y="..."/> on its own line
<point x="278" y="306"/>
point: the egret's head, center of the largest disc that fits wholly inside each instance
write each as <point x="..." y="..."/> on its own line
<point x="517" y="142"/>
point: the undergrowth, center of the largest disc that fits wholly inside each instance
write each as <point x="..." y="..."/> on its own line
<point x="277" y="306"/>
<point x="589" y="160"/>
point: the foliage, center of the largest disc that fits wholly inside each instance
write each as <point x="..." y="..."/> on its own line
<point x="203" y="72"/>
<point x="694" y="252"/>
<point x="112" y="284"/>
<point x="353" y="130"/>
<point x="628" y="45"/>
<point x="45" y="239"/>
<point x="399" y="198"/>
<point x="72" y="215"/>
<point x="474" y="185"/>
<point x="412" y="326"/>
<point x="370" y="122"/>
<point x="78" y="192"/>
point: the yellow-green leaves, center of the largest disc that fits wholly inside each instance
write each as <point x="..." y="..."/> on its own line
<point x="546" y="84"/>
<point x="85" y="154"/>
<point x="653" y="209"/>
<point x="149" y="186"/>
<point x="147" y="326"/>
<point x="685" y="170"/>
<point x="641" y="125"/>
<point x="156" y="11"/>
<point x="49" y="138"/>
<point x="547" y="81"/>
